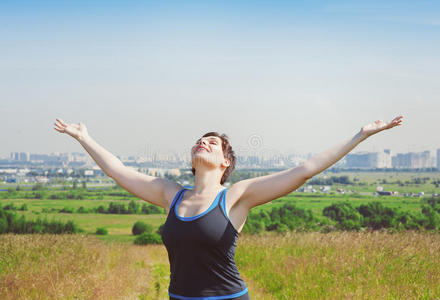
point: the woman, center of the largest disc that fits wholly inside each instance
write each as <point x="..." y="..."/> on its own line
<point x="203" y="224"/>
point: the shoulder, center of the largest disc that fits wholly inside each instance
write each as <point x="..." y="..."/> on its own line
<point x="236" y="192"/>
<point x="170" y="193"/>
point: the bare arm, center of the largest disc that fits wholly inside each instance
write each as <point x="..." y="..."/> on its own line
<point x="155" y="190"/>
<point x="259" y="190"/>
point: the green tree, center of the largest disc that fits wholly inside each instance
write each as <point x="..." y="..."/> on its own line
<point x="377" y="216"/>
<point x="148" y="238"/>
<point x="133" y="207"/>
<point x="346" y="216"/>
<point x="432" y="218"/>
<point x="38" y="187"/>
<point x="140" y="227"/>
<point x="253" y="225"/>
<point x="101" y="231"/>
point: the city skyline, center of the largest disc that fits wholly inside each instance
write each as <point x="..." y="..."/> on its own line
<point x="359" y="159"/>
<point x="293" y="77"/>
<point x="187" y="153"/>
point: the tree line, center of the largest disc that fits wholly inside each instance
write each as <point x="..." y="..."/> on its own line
<point x="331" y="180"/>
<point x="10" y="222"/>
<point x="114" y="208"/>
<point x="344" y="216"/>
<point x="78" y="194"/>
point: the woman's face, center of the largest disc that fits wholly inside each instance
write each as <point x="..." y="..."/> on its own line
<point x="208" y="149"/>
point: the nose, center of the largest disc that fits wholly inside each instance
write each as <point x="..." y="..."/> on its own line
<point x="202" y="142"/>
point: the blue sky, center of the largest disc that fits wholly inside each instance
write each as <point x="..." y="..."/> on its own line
<point x="301" y="76"/>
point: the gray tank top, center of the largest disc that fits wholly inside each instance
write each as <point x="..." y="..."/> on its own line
<point x="201" y="252"/>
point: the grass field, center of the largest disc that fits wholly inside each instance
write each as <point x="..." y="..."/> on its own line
<point x="343" y="265"/>
<point x="293" y="266"/>
<point x="73" y="267"/>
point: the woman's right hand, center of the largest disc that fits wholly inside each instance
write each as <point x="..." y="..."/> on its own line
<point x="77" y="131"/>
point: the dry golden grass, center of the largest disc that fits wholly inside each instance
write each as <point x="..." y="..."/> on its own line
<point x="342" y="265"/>
<point x="70" y="267"/>
<point x="294" y="266"/>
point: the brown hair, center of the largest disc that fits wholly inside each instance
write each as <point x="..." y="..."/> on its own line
<point x="227" y="153"/>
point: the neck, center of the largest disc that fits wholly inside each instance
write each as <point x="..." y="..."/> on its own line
<point x="207" y="181"/>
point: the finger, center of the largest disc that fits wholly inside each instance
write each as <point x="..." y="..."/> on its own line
<point x="61" y="122"/>
<point x="59" y="127"/>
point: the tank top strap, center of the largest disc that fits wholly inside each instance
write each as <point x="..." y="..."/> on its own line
<point x="178" y="195"/>
<point x="222" y="203"/>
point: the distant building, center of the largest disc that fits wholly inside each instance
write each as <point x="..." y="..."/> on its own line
<point x="20" y="156"/>
<point x="162" y="171"/>
<point x="358" y="160"/>
<point x="369" y="160"/>
<point x="88" y="172"/>
<point x="253" y="160"/>
<point x="53" y="158"/>
<point x="384" y="159"/>
<point x="412" y="160"/>
<point x="438" y="158"/>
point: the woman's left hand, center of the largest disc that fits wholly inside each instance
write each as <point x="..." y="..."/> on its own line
<point x="380" y="125"/>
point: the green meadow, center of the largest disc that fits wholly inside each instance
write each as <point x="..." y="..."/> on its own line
<point x="119" y="225"/>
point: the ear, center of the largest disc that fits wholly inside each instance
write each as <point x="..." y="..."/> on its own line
<point x="226" y="163"/>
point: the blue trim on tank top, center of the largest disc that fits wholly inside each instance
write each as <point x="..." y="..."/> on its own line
<point x="211" y="207"/>
<point x="223" y="204"/>
<point x="209" y="297"/>
<point x="176" y="197"/>
<point x="223" y="207"/>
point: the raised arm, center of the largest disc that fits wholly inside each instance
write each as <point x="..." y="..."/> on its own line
<point x="155" y="190"/>
<point x="256" y="191"/>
